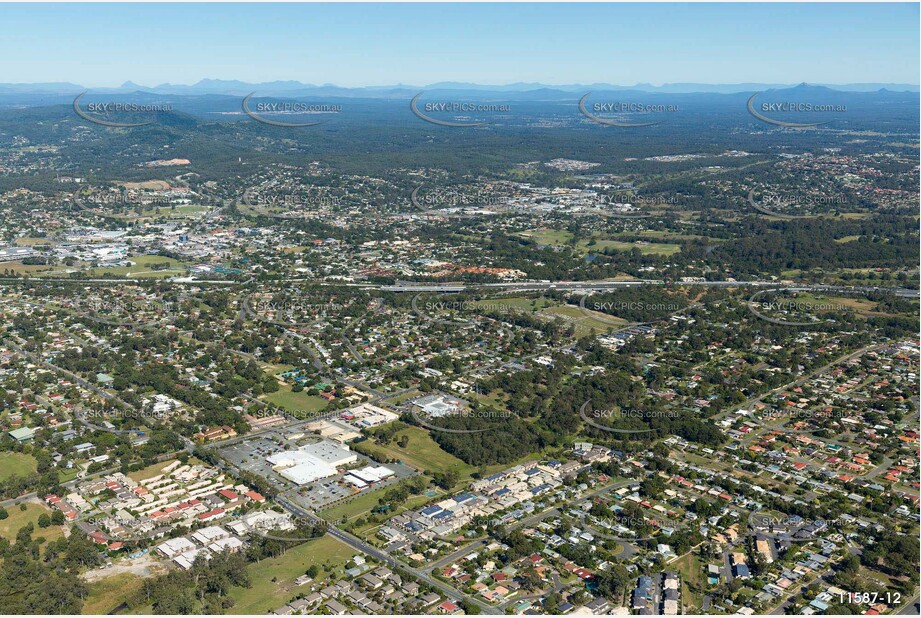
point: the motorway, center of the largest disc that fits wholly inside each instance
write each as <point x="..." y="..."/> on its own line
<point x="523" y="286"/>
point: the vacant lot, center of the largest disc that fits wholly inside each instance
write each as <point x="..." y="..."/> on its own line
<point x="363" y="503"/>
<point x="272" y="579"/>
<point x="646" y="248"/>
<point x="109" y="593"/>
<point x="586" y="320"/>
<point x="693" y="580"/>
<point x="143" y="267"/>
<point x="155" y="469"/>
<point x="19" y="518"/>
<point x="16" y="464"/>
<point x="421" y="452"/>
<point x="299" y="404"/>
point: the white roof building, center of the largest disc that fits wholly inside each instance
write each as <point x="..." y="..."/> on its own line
<point x="187" y="559"/>
<point x="312" y="462"/>
<point x="209" y="535"/>
<point x="174" y="547"/>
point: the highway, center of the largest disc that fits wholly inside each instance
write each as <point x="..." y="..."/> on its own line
<point x="519" y="286"/>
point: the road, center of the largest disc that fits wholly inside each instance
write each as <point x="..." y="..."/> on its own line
<point x="384" y="557"/>
<point x="524" y="286"/>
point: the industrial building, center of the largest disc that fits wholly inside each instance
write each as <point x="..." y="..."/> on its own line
<point x="312" y="462"/>
<point x="368" y="476"/>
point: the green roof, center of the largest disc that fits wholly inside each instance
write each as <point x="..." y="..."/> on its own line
<point x="23" y="433"/>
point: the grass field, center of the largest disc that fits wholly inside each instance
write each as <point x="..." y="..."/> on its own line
<point x="364" y="502"/>
<point x="525" y="305"/>
<point x="862" y="306"/>
<point x="265" y="594"/>
<point x="663" y="235"/>
<point x="107" y="594"/>
<point x="646" y="248"/>
<point x="548" y="237"/>
<point x="421" y="452"/>
<point x="845" y="239"/>
<point x="16" y="464"/>
<point x="26" y="269"/>
<point x="142" y="268"/>
<point x="153" y="470"/>
<point x="495" y="398"/>
<point x="299" y="404"/>
<point x="693" y="580"/>
<point x="563" y="237"/>
<point x="18" y="518"/>
<point x="398" y="399"/>
<point x="585" y="319"/>
<point x="31" y="242"/>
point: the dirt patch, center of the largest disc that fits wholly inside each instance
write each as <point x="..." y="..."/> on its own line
<point x="153" y="185"/>
<point x="143" y="566"/>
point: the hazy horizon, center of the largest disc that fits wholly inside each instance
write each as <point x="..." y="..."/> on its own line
<point x="359" y="45"/>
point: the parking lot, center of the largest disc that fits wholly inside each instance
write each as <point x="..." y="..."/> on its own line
<point x="250" y="455"/>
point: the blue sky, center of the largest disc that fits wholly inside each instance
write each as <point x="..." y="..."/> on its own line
<point x="354" y="44"/>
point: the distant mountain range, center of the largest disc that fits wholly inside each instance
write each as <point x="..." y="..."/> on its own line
<point x="529" y="90"/>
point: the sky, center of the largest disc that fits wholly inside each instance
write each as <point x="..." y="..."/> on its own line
<point x="419" y="44"/>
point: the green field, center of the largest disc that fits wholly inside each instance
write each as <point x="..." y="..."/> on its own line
<point x="265" y="594"/>
<point x="421" y="452"/>
<point x="31" y="242"/>
<point x="299" y="404"/>
<point x="526" y="305"/>
<point x="563" y="237"/>
<point x="585" y="319"/>
<point x="16" y="464"/>
<point x="646" y="248"/>
<point x="548" y="237"/>
<point x="28" y="269"/>
<point x="19" y="518"/>
<point x="364" y="502"/>
<point x="154" y="469"/>
<point x="398" y="399"/>
<point x="663" y="235"/>
<point x="693" y="580"/>
<point x="142" y="268"/>
<point x="108" y="593"/>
